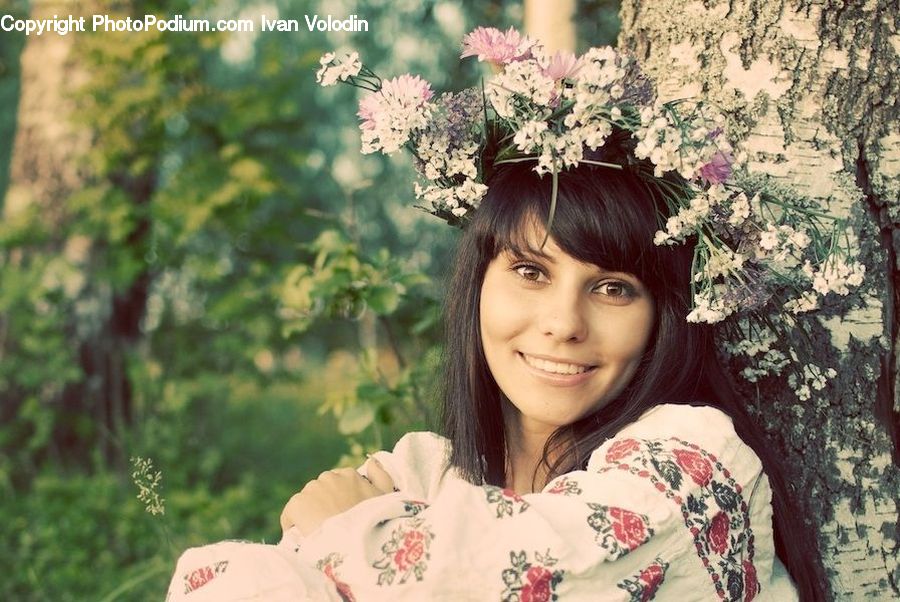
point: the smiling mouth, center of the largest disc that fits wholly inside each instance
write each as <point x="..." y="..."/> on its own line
<point x="555" y="367"/>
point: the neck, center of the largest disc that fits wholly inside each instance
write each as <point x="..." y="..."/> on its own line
<point x="525" y="473"/>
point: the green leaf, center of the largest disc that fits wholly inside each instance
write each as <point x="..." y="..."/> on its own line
<point x="356" y="418"/>
<point x="383" y="300"/>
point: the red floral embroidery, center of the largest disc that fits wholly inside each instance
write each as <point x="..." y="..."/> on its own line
<point x="621" y="449"/>
<point x="717" y="534"/>
<point x="619" y="531"/>
<point x="695" y="465"/>
<point x="203" y="575"/>
<point x="630" y="528"/>
<point x="405" y="553"/>
<point x="751" y="585"/>
<point x="199" y="578"/>
<point x="538" y="587"/>
<point x="412" y="551"/>
<point x="644" y="585"/>
<point x="328" y="565"/>
<point x="563" y="485"/>
<point x="507" y="502"/>
<point x="712" y="505"/>
<point x="531" y="581"/>
<point x="652" y="576"/>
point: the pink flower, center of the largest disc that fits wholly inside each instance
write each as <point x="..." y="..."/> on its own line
<point x="562" y="65"/>
<point x="718" y="170"/>
<point x="403" y="92"/>
<point x="497" y="47"/>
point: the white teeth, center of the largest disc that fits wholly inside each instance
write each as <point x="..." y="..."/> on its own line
<point x="556" y="368"/>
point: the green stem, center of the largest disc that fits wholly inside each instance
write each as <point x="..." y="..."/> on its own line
<point x="156" y="568"/>
<point x="602" y="164"/>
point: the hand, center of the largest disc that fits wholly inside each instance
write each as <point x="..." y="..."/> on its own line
<point x="335" y="491"/>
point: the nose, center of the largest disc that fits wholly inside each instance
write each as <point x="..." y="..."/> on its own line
<point x="564" y="316"/>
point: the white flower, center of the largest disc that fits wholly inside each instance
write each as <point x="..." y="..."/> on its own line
<point x="835" y="275"/>
<point x="330" y="74"/>
<point x="769" y="239"/>
<point x="807" y="301"/>
<point x="799" y="239"/>
<point x="530" y="135"/>
<point x="709" y="306"/>
<point x="721" y="262"/>
<point x="524" y="80"/>
<point x="662" y="238"/>
<point x="740" y="209"/>
<point x="471" y="192"/>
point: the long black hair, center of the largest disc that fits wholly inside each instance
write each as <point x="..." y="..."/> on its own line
<point x="607" y="217"/>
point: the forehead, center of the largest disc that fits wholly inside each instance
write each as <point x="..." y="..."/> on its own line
<point x="531" y="240"/>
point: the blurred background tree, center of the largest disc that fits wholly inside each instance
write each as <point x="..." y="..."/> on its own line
<point x="197" y="266"/>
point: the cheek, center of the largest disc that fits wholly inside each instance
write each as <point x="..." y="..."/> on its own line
<point x="629" y="337"/>
<point x="502" y="313"/>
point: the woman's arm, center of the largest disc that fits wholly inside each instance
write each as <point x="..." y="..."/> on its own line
<point x="333" y="492"/>
<point x="687" y="515"/>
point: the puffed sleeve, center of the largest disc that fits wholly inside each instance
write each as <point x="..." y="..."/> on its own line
<point x="676" y="507"/>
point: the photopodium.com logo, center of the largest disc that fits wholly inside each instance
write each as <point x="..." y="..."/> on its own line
<point x="178" y="23"/>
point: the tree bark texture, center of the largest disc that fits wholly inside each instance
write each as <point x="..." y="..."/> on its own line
<point x="47" y="169"/>
<point x="812" y="87"/>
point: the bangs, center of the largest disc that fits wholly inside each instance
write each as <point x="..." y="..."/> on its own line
<point x="603" y="216"/>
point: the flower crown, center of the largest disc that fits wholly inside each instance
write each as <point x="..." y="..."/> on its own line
<point x="755" y="245"/>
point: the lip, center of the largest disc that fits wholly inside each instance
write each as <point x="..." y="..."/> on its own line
<point x="557" y="380"/>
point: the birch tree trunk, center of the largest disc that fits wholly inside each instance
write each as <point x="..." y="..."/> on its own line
<point x="550" y="21"/>
<point x="814" y="83"/>
<point x="46" y="171"/>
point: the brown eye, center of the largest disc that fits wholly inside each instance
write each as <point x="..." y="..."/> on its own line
<point x="528" y="272"/>
<point x="615" y="288"/>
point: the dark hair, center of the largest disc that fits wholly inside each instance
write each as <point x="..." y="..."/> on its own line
<point x="607" y="217"/>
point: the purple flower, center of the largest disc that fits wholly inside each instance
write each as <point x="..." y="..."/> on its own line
<point x="497" y="47"/>
<point x="718" y="170"/>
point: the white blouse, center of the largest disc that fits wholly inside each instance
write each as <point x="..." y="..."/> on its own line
<point x="674" y="507"/>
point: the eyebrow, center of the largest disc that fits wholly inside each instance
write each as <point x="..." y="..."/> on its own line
<point x="531" y="253"/>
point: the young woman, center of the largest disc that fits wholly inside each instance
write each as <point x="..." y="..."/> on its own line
<point x="594" y="449"/>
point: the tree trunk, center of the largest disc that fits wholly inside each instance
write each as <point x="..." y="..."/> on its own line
<point x="813" y="88"/>
<point x="102" y="323"/>
<point x="550" y="21"/>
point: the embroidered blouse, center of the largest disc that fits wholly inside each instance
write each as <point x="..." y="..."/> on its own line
<point x="674" y="507"/>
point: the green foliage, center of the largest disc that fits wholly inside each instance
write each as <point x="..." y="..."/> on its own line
<point x="231" y="291"/>
<point x="342" y="283"/>
<point x="219" y="482"/>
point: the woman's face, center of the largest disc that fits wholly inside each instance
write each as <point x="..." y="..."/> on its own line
<point x="561" y="337"/>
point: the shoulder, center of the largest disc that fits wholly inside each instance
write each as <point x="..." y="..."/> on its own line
<point x="681" y="418"/>
<point x="691" y="436"/>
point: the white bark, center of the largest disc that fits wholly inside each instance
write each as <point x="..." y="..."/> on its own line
<point x="42" y="168"/>
<point x="550" y="21"/>
<point x="813" y="88"/>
